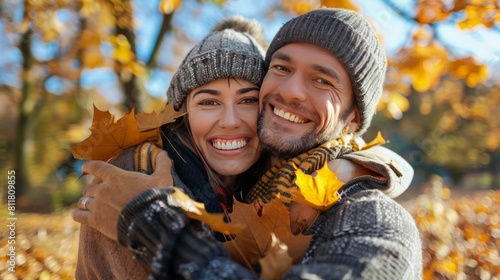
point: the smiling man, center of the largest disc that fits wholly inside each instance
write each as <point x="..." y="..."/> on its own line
<point x="325" y="78"/>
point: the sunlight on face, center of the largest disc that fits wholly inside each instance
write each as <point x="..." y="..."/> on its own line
<point x="302" y="100"/>
<point x="223" y="119"/>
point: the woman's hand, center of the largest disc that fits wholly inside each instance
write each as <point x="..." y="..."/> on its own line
<point x="113" y="188"/>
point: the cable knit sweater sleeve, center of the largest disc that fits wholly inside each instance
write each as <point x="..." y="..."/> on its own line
<point x="367" y="236"/>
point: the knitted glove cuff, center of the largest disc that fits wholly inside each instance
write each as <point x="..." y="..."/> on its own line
<point x="151" y="222"/>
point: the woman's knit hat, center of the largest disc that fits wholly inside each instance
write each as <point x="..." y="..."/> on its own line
<point x="231" y="50"/>
<point x="350" y="38"/>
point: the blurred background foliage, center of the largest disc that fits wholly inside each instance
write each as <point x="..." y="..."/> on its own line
<point x="439" y="109"/>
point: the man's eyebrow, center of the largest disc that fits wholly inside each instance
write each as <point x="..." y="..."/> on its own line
<point x="331" y="72"/>
<point x="282" y="56"/>
<point x="248" y="89"/>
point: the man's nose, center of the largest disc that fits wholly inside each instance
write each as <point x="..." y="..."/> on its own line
<point x="294" y="88"/>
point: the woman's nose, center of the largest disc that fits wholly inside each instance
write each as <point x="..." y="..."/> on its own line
<point x="229" y="118"/>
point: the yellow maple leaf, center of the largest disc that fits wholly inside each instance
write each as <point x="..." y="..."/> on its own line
<point x="262" y="220"/>
<point x="277" y="261"/>
<point x="318" y="192"/>
<point x="196" y="210"/>
<point x="109" y="137"/>
<point x="378" y="140"/>
<point x="148" y="121"/>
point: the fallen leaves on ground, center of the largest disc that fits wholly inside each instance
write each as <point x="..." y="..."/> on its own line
<point x="46" y="247"/>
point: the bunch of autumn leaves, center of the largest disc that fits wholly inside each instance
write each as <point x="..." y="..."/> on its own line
<point x="256" y="226"/>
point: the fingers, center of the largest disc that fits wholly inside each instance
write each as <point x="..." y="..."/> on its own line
<point x="163" y="168"/>
<point x="100" y="169"/>
<point x="163" y="164"/>
<point x="81" y="216"/>
<point x="91" y="189"/>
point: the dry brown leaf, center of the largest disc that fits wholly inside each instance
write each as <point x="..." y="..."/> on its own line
<point x="277" y="261"/>
<point x="196" y="210"/>
<point x="149" y="121"/>
<point x="109" y="137"/>
<point x="262" y="220"/>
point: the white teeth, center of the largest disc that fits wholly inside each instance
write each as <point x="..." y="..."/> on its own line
<point x="288" y="116"/>
<point x="229" y="144"/>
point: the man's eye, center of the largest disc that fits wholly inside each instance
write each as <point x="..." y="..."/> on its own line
<point x="249" y="101"/>
<point x="280" y="68"/>
<point x="323" y="81"/>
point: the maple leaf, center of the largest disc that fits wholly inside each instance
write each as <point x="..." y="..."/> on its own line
<point x="149" y="121"/>
<point x="277" y="261"/>
<point x="262" y="220"/>
<point x="109" y="137"/>
<point x="378" y="140"/>
<point x="318" y="192"/>
<point x="196" y="210"/>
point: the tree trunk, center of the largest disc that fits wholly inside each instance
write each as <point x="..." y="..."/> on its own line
<point x="22" y="179"/>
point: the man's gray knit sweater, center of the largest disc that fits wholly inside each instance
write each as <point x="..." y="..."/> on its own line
<point x="365" y="235"/>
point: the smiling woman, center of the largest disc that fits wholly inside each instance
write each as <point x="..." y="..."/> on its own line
<point x="223" y="119"/>
<point x="214" y="146"/>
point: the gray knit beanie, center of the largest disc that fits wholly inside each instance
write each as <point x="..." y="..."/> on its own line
<point x="231" y="50"/>
<point x="350" y="38"/>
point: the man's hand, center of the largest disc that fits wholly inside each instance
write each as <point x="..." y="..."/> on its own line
<point x="113" y="188"/>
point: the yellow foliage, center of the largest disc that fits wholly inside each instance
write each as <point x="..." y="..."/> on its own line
<point x="319" y="192"/>
<point x="169" y="6"/>
<point x="424" y="64"/>
<point x="468" y="69"/>
<point x="89" y="7"/>
<point x="92" y="57"/>
<point x="394" y="104"/>
<point x="484" y="13"/>
<point x="345" y="4"/>
<point x="122" y="50"/>
<point x="300" y="6"/>
<point x="429" y="11"/>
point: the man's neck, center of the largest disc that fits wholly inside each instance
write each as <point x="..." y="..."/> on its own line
<point x="273" y="160"/>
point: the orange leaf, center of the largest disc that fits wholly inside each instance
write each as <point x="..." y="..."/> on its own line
<point x="196" y="210"/>
<point x="277" y="261"/>
<point x="262" y="220"/>
<point x="109" y="138"/>
<point x="148" y="121"/>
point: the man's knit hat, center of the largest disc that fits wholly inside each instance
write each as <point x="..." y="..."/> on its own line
<point x="350" y="38"/>
<point x="231" y="50"/>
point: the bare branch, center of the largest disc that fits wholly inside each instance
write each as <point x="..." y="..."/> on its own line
<point x="166" y="25"/>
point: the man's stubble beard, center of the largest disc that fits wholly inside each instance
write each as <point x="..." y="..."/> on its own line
<point x="285" y="148"/>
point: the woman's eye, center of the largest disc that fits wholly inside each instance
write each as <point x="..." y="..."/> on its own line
<point x="208" y="103"/>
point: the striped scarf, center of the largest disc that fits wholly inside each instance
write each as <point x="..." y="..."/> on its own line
<point x="283" y="173"/>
